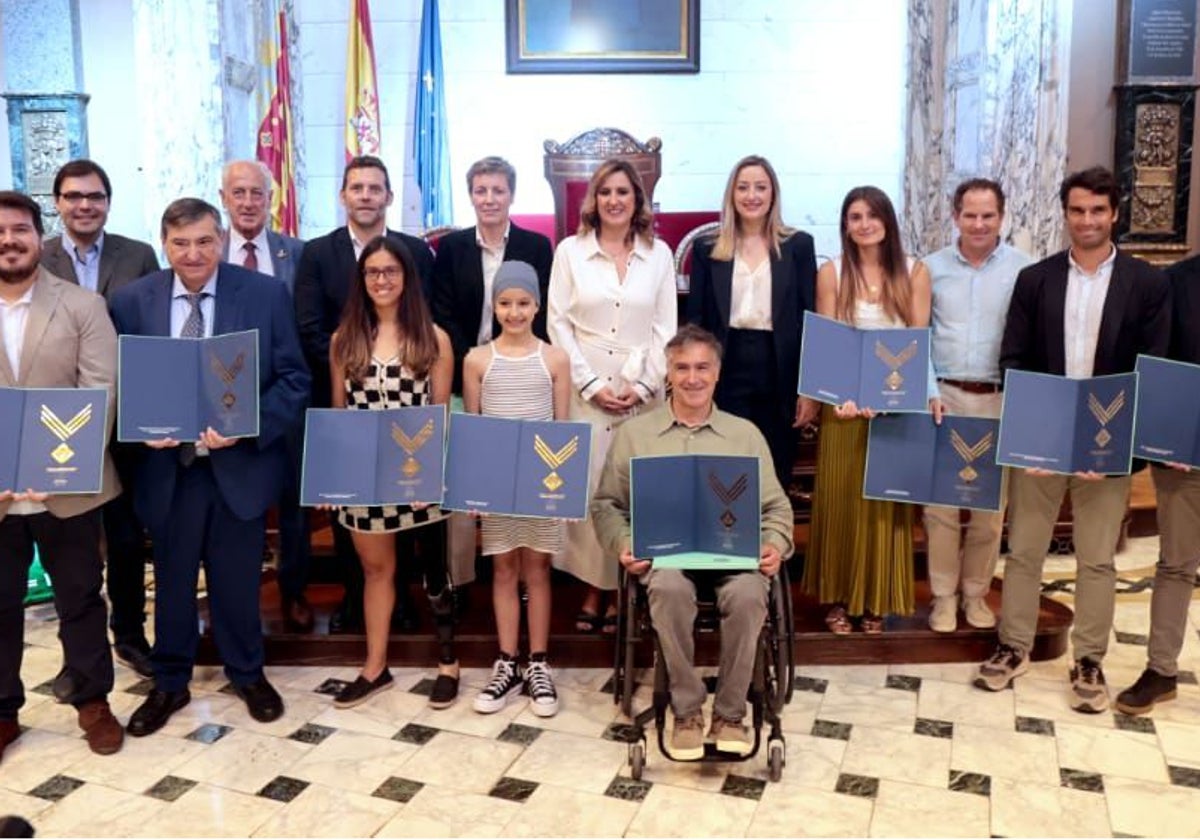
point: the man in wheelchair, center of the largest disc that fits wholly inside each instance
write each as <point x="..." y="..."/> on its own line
<point x="690" y="423"/>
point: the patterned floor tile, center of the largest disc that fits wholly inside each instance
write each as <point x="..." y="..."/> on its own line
<point x="630" y="790"/>
<point x="832" y="729"/>
<point x="1081" y="780"/>
<point x="56" y="787"/>
<point x="743" y="787"/>
<point x="1035" y="726"/>
<point x="516" y="733"/>
<point x="625" y="733"/>
<point x="513" y="790"/>
<point x="904" y="683"/>
<point x="1184" y="776"/>
<point x="423" y="687"/>
<point x="398" y="790"/>
<point x="331" y="687"/>
<point x="965" y="782"/>
<point x="415" y="733"/>
<point x="170" y="788"/>
<point x="863" y="786"/>
<point x="209" y="733"/>
<point x="1131" y="723"/>
<point x="283" y="789"/>
<point x="934" y="728"/>
<point x="312" y="733"/>
<point x="812" y="684"/>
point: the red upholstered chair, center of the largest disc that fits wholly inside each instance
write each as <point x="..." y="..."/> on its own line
<point x="569" y="167"/>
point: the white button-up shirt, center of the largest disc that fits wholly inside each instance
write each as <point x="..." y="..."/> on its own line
<point x="491" y="258"/>
<point x="262" y="250"/>
<point x="1084" y="309"/>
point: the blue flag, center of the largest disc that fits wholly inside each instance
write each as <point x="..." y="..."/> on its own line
<point x="430" y="142"/>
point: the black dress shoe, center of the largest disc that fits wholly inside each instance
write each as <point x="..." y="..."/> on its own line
<point x="347" y="618"/>
<point x="153" y="714"/>
<point x="297" y="615"/>
<point x="135" y="653"/>
<point x="262" y="700"/>
<point x="64" y="685"/>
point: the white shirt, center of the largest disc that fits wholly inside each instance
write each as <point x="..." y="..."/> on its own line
<point x="358" y="246"/>
<point x="492" y="258"/>
<point x="595" y="317"/>
<point x="750" y="296"/>
<point x="262" y="250"/>
<point x="181" y="308"/>
<point x="1082" y="314"/>
<point x="13" y="318"/>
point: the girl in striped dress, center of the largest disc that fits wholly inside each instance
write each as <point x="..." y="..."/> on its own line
<point x="520" y="376"/>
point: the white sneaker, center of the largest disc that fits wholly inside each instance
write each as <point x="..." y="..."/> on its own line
<point x="978" y="613"/>
<point x="505" y="683"/>
<point x="943" y="616"/>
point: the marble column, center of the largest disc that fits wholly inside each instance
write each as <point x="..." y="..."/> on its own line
<point x="45" y="106"/>
<point x="179" y="97"/>
<point x="987" y="97"/>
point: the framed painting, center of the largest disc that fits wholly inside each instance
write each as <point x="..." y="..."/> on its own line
<point x="602" y="36"/>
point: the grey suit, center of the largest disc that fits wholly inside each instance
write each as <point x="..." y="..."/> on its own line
<point x="294" y="549"/>
<point x="69" y="343"/>
<point x="285" y="256"/>
<point x="122" y="260"/>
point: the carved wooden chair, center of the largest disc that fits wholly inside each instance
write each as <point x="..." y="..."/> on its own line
<point x="569" y="167"/>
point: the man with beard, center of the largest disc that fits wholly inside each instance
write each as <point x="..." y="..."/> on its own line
<point x="54" y="334"/>
<point x="103" y="262"/>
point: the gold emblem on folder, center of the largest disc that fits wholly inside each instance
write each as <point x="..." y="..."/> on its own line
<point x="895" y="361"/>
<point x="1104" y="414"/>
<point x="63" y="453"/>
<point x="728" y="495"/>
<point x="411" y="445"/>
<point x="554" y="460"/>
<point x="229" y="375"/>
<point x="969" y="453"/>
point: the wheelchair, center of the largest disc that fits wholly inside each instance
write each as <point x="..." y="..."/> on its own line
<point x="770" y="687"/>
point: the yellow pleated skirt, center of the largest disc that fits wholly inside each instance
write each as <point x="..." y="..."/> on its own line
<point x="859" y="550"/>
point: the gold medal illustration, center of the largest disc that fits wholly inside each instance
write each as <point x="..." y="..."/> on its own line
<point x="411" y="445"/>
<point x="1104" y="414"/>
<point x="894" y="361"/>
<point x="63" y="431"/>
<point x="969" y="453"/>
<point x="554" y="460"/>
<point x="228" y="375"/>
<point x="728" y="495"/>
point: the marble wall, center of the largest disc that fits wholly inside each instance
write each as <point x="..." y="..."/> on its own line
<point x="987" y="97"/>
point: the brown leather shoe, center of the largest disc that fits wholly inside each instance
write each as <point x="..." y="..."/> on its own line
<point x="103" y="731"/>
<point x="10" y="731"/>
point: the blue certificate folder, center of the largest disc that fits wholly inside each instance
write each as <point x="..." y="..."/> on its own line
<point x="518" y="467"/>
<point x="54" y="439"/>
<point x="1068" y="425"/>
<point x="910" y="459"/>
<point x="388" y="457"/>
<point x="178" y="387"/>
<point x="1167" y="426"/>
<point x="887" y="370"/>
<point x="696" y="511"/>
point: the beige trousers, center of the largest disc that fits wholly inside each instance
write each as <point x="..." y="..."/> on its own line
<point x="1178" y="502"/>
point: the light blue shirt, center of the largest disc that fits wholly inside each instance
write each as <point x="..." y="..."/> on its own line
<point x="181" y="307"/>
<point x="87" y="262"/>
<point x="970" y="306"/>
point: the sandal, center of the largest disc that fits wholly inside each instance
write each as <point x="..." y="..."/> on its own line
<point x="608" y="624"/>
<point x="872" y="624"/>
<point x="589" y="622"/>
<point x="838" y="622"/>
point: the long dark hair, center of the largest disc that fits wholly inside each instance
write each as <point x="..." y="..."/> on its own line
<point x="896" y="294"/>
<point x="360" y="322"/>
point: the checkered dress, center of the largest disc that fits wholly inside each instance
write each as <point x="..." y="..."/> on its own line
<point x="387" y="385"/>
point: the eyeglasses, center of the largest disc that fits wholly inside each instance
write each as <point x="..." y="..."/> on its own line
<point x="391" y="272"/>
<point x="77" y="197"/>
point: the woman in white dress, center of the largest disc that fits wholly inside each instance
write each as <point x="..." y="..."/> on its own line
<point x="612" y="308"/>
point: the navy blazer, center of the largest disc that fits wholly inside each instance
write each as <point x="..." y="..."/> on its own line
<point x="793" y="292"/>
<point x="458" y="286"/>
<point x="327" y="268"/>
<point x="250" y="473"/>
<point x="285" y="257"/>
<point x="1185" y="311"/>
<point x="1136" y="317"/>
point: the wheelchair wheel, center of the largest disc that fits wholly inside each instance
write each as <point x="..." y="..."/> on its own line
<point x="775" y="759"/>
<point x="637" y="759"/>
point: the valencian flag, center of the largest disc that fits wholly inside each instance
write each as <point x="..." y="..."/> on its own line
<point x="274" y="147"/>
<point x="430" y="143"/>
<point x="362" y="93"/>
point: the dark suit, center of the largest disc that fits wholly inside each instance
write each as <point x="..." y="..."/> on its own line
<point x="1135" y="319"/>
<point x="327" y="268"/>
<point x="213" y="510"/>
<point x="122" y="260"/>
<point x="760" y="373"/>
<point x="1177" y="495"/>
<point x="458" y="286"/>
<point x="294" y="548"/>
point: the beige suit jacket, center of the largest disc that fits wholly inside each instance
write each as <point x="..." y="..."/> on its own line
<point x="69" y="343"/>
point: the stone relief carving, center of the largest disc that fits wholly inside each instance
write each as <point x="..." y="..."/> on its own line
<point x="1155" y="168"/>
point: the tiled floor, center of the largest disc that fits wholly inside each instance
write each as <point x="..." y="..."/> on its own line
<point x="901" y="750"/>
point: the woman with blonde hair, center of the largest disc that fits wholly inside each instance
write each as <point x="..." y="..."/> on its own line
<point x="750" y="286"/>
<point x="860" y="556"/>
<point x="612" y="308"/>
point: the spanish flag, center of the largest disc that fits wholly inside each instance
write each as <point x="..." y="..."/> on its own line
<point x="274" y="146"/>
<point x="362" y="94"/>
